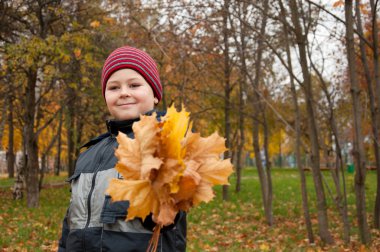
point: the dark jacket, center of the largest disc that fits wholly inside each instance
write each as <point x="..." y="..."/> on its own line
<point x="93" y="222"/>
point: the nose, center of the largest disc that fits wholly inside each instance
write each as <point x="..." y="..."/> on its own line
<point x="124" y="91"/>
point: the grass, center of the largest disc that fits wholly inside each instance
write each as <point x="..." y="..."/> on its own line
<point x="49" y="179"/>
<point x="236" y="225"/>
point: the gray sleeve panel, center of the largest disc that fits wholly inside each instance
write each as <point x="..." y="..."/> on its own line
<point x="102" y="181"/>
<point x="80" y="186"/>
<point x="78" y="211"/>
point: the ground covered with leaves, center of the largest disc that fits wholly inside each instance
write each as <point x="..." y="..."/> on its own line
<point x="236" y="225"/>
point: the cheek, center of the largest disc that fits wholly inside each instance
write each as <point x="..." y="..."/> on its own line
<point x="109" y="99"/>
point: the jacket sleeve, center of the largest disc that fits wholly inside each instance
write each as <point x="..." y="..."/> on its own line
<point x="65" y="233"/>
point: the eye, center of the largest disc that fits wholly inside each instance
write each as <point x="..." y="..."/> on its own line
<point x="134" y="85"/>
<point x="112" y="87"/>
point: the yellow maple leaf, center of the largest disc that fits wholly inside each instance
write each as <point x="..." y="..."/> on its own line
<point x="204" y="193"/>
<point x="135" y="156"/>
<point x="167" y="168"/>
<point x="264" y="247"/>
<point x="206" y="152"/>
<point x="129" y="157"/>
<point x="173" y="131"/>
<point x="199" y="148"/>
<point x="216" y="172"/>
<point x="187" y="185"/>
<point x="95" y="24"/>
<point x="142" y="199"/>
<point x="77" y="53"/>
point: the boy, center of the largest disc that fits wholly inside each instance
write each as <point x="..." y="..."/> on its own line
<point x="131" y="86"/>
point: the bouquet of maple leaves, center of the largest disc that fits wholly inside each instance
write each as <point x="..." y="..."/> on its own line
<point x="167" y="168"/>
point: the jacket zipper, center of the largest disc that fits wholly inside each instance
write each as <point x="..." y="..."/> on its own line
<point x="89" y="199"/>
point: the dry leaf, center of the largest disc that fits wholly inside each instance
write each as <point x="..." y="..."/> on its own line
<point x="142" y="199"/>
<point x="338" y="3"/>
<point x="167" y="168"/>
<point x="95" y="24"/>
<point x="77" y="53"/>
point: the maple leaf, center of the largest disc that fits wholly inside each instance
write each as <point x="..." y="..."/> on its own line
<point x="135" y="156"/>
<point x="167" y="168"/>
<point x="77" y="53"/>
<point x="338" y="3"/>
<point x="95" y="24"/>
<point x="173" y="131"/>
<point x="187" y="185"/>
<point x="199" y="148"/>
<point x="142" y="199"/>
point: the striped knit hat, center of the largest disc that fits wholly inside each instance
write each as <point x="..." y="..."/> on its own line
<point x="132" y="58"/>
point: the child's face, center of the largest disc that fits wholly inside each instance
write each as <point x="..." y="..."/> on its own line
<point x="128" y="95"/>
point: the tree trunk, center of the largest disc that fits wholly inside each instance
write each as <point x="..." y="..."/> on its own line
<point x="2" y="123"/>
<point x="340" y="200"/>
<point x="32" y="166"/>
<point x="70" y="116"/>
<point x="20" y="182"/>
<point x="301" y="40"/>
<point x="10" y="151"/>
<point x="376" y="115"/>
<point x="240" y="147"/>
<point x="268" y="167"/>
<point x="18" y="185"/>
<point x="358" y="150"/>
<point x="227" y="88"/>
<point x="44" y="160"/>
<point x="59" y="145"/>
<point x="78" y="139"/>
<point x="42" y="171"/>
<point x="305" y="203"/>
<point x="242" y="96"/>
<point x="257" y="108"/>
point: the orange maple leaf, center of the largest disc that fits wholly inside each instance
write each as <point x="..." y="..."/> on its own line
<point x="167" y="168"/>
<point x="77" y="53"/>
<point x="95" y="24"/>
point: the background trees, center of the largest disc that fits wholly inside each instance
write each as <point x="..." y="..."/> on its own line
<point x="274" y="77"/>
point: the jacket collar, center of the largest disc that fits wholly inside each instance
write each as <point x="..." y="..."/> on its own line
<point x="114" y="126"/>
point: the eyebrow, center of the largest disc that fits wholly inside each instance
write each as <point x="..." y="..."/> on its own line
<point x="113" y="81"/>
<point x="129" y="80"/>
<point x="136" y="78"/>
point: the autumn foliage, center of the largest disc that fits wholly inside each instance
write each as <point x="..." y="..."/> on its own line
<point x="167" y="168"/>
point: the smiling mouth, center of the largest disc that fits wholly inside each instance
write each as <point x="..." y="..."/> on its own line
<point x="125" y="104"/>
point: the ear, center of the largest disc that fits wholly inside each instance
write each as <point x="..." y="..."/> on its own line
<point x="155" y="101"/>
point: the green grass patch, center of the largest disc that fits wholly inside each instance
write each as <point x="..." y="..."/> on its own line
<point x="48" y="179"/>
<point x="236" y="225"/>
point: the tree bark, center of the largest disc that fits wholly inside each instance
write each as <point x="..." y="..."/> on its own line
<point x="358" y="150"/>
<point x="10" y="151"/>
<point x="70" y="117"/>
<point x="44" y="159"/>
<point x="59" y="145"/>
<point x="340" y="199"/>
<point x="268" y="166"/>
<point x="2" y="123"/>
<point x="32" y="166"/>
<point x="305" y="203"/>
<point x="242" y="93"/>
<point x="376" y="115"/>
<point x="301" y="40"/>
<point x="257" y="108"/>
<point x="227" y="88"/>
